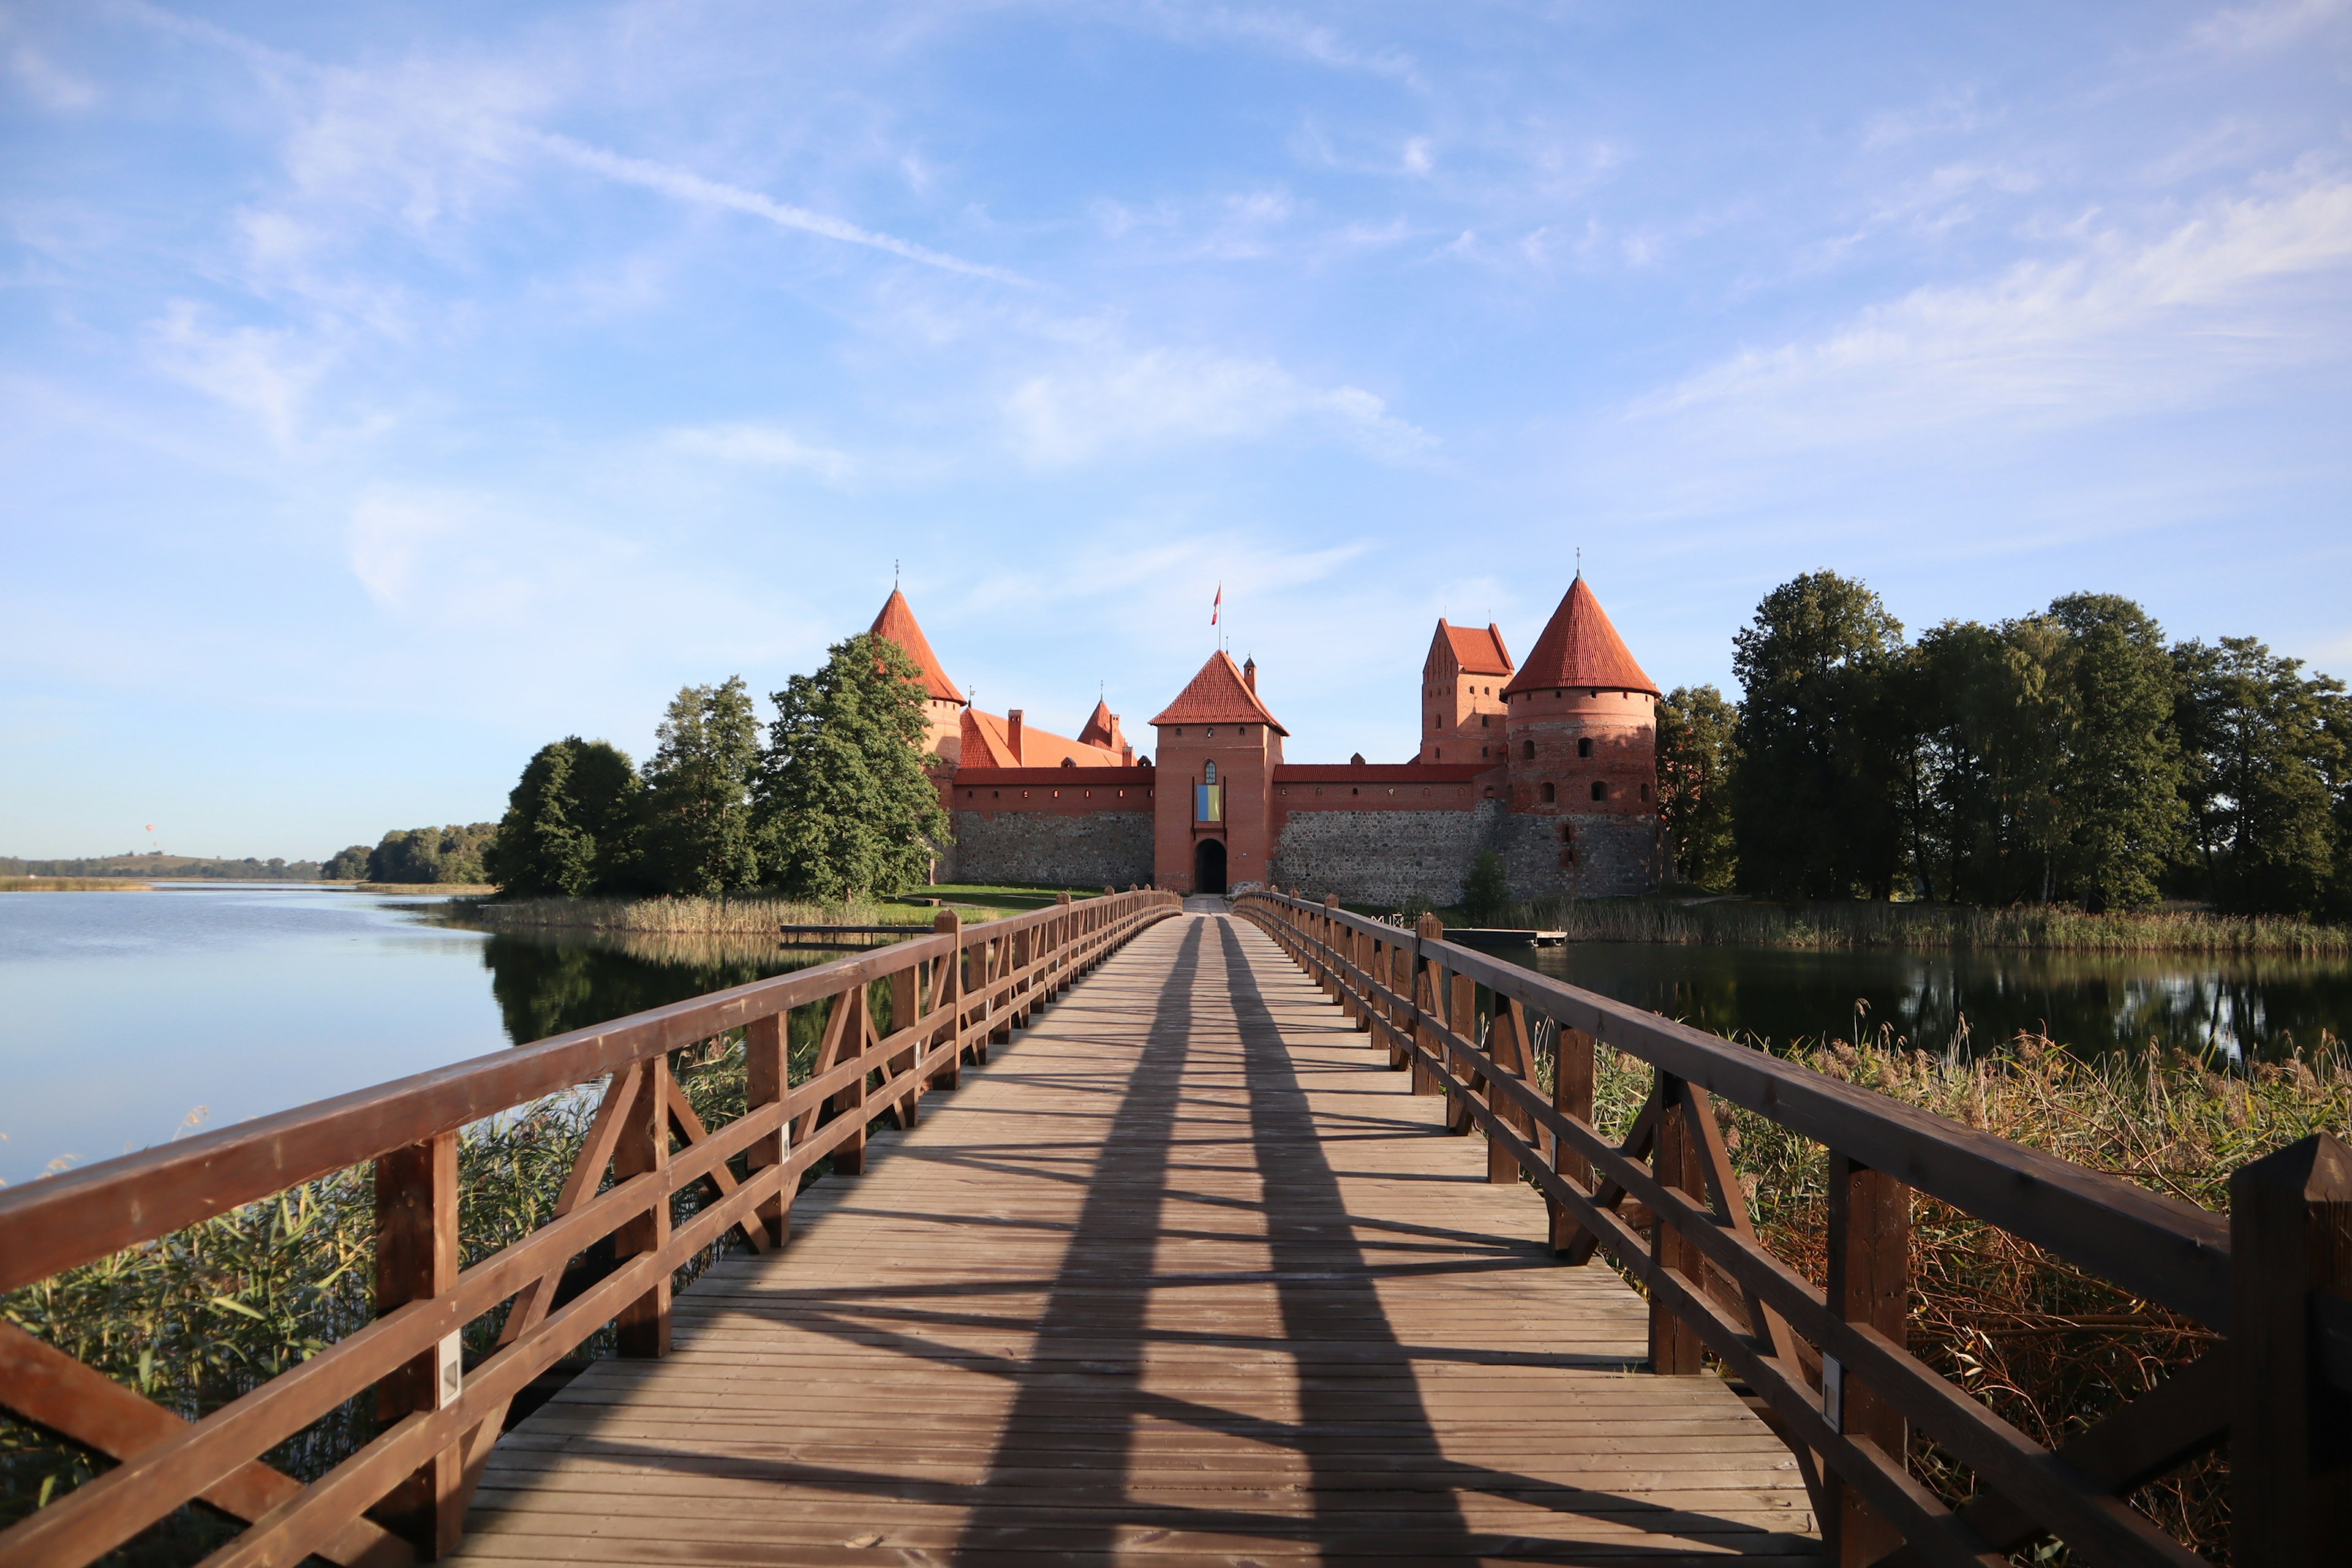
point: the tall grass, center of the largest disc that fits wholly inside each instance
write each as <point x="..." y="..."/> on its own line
<point x="198" y="1318"/>
<point x="696" y="916"/>
<point x="2048" y="1347"/>
<point x="72" y="885"/>
<point x="1859" y="924"/>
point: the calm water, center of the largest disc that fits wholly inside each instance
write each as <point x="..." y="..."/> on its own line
<point x="2237" y="1007"/>
<point x="122" y="1016"/>
<point x="126" y="1017"/>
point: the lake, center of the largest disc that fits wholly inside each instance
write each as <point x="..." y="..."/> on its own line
<point x="127" y="1016"/>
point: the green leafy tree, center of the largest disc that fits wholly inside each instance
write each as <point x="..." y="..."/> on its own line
<point x="845" y="805"/>
<point x="417" y="855"/>
<point x="2120" y="816"/>
<point x="346" y="865"/>
<point x="1819" y="771"/>
<point x="1487" y="895"/>
<point x="2262" y="747"/>
<point x="1989" y="718"/>
<point x="1698" y="747"/>
<point x="573" y="823"/>
<point x="698" y="836"/>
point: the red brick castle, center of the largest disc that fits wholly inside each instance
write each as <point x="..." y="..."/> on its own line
<point x="1551" y="765"/>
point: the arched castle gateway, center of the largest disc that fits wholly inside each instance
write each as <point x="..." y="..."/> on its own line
<point x="1552" y="764"/>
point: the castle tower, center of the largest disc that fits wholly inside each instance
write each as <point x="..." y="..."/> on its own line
<point x="1461" y="708"/>
<point x="1102" y="730"/>
<point x="1581" y="721"/>
<point x="1217" y="749"/>
<point x="943" y="705"/>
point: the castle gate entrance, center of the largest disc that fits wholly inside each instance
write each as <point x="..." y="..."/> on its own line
<point x="1209" y="866"/>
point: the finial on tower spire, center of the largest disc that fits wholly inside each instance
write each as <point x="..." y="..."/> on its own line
<point x="1580" y="562"/>
<point x="894" y="574"/>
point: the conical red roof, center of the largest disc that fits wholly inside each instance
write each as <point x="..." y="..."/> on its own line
<point x="898" y="623"/>
<point x="1580" y="647"/>
<point x="1219" y="695"/>
<point x="1101" y="728"/>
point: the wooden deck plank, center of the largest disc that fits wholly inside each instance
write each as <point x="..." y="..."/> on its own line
<point x="1186" y="1273"/>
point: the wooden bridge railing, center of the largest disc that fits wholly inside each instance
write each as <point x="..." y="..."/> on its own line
<point x="1830" y="1368"/>
<point x="404" y="1495"/>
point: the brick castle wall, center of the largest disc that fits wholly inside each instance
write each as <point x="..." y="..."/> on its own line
<point x="1385" y="855"/>
<point x="1089" y="849"/>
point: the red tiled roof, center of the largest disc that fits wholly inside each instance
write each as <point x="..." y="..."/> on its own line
<point x="1219" y="695"/>
<point x="1477" y="652"/>
<point x="988" y="743"/>
<point x="898" y="623"/>
<point x="1580" y="647"/>
<point x="1101" y="728"/>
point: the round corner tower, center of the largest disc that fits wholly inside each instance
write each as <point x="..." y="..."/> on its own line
<point x="1580" y="722"/>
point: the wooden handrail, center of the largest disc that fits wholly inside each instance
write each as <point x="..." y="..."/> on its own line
<point x="1830" y="1366"/>
<point x="953" y="991"/>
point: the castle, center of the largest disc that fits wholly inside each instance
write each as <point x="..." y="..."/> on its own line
<point x="1551" y="765"/>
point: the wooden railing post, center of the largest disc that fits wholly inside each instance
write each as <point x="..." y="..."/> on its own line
<point x="1061" y="944"/>
<point x="2291" y="1356"/>
<point x="1462" y="1017"/>
<point x="1328" y="928"/>
<point x="905" y="1007"/>
<point x="1428" y="986"/>
<point x="1869" y="1284"/>
<point x="1508" y="1055"/>
<point x="1674" y="1347"/>
<point x="1572" y="1082"/>
<point x="416" y="1258"/>
<point x="767" y="1055"/>
<point x="642" y="1324"/>
<point x="947" y="992"/>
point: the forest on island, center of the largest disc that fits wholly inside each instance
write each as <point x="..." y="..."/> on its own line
<point x="2074" y="755"/>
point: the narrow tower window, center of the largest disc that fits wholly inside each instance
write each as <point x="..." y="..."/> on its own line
<point x="1209" y="773"/>
<point x="1599" y="790"/>
<point x="1550" y="794"/>
<point x="1531" y="751"/>
<point x="1584" y="746"/>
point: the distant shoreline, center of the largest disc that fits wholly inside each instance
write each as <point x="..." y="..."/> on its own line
<point x="73" y="884"/>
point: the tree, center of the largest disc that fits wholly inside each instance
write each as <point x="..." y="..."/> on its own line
<point x="2262" y="745"/>
<point x="1696" y="752"/>
<point x="346" y="865"/>
<point x="2120" y="815"/>
<point x="844" y="803"/>
<point x="1487" y="892"/>
<point x="698" y="836"/>
<point x="417" y="855"/>
<point x="1986" y="721"/>
<point x="1818" y="773"/>
<point x="573" y="823"/>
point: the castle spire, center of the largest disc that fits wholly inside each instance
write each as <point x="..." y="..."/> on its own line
<point x="1581" y="647"/>
<point x="897" y="622"/>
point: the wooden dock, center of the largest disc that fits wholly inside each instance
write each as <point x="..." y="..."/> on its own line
<point x="1184" y="1273"/>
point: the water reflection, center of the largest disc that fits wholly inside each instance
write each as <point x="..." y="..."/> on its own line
<point x="546" y="984"/>
<point x="2250" y="1006"/>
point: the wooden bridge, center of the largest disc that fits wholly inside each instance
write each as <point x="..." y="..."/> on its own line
<point x="1186" y="1267"/>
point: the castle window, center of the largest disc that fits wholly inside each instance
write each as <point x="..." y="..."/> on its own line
<point x="1530" y="753"/>
<point x="1439" y="754"/>
<point x="1209" y="773"/>
<point x="1584" y="746"/>
<point x="1549" y="795"/>
<point x="1210" y="732"/>
<point x="1485" y="720"/>
<point x="1567" y="833"/>
<point x="1645" y="792"/>
<point x="1599" y="790"/>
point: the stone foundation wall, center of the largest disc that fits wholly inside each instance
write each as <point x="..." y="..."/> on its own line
<point x="1615" y="853"/>
<point x="1386" y="856"/>
<point x="1095" y="849"/>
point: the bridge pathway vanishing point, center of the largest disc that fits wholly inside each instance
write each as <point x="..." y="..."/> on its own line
<point x="1186" y="1273"/>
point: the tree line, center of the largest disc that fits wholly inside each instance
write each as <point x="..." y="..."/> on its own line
<point x="2074" y="755"/>
<point x="833" y="801"/>
<point x="456" y="853"/>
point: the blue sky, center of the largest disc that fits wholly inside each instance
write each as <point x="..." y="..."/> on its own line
<point x="387" y="390"/>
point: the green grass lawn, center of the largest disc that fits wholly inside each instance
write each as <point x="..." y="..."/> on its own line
<point x="1008" y="896"/>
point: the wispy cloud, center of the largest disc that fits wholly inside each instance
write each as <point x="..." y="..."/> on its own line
<point x="265" y="372"/>
<point x="764" y="446"/>
<point x="2249" y="29"/>
<point x="2121" y="325"/>
<point x="1118" y="399"/>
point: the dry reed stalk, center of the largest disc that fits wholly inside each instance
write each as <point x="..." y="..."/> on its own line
<point x="1860" y="923"/>
<point x="696" y="916"/>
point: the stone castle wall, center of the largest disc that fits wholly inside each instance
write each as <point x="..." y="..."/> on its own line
<point x="1614" y="855"/>
<point x="1385" y="856"/>
<point x="1092" y="850"/>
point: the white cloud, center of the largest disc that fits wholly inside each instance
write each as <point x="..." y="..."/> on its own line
<point x="387" y="541"/>
<point x="764" y="446"/>
<point x="48" y="84"/>
<point x="2248" y="29"/>
<point x="2120" y="325"/>
<point x="1120" y="399"/>
<point x="267" y="373"/>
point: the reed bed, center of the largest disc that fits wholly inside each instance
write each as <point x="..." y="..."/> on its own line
<point x="1863" y="923"/>
<point x="2051" y="1349"/>
<point x="73" y="884"/>
<point x="699" y="917"/>
<point x="198" y="1318"/>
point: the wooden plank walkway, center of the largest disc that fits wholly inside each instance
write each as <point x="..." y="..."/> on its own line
<point x="1186" y="1275"/>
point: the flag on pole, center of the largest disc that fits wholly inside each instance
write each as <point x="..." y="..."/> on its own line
<point x="1216" y="605"/>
